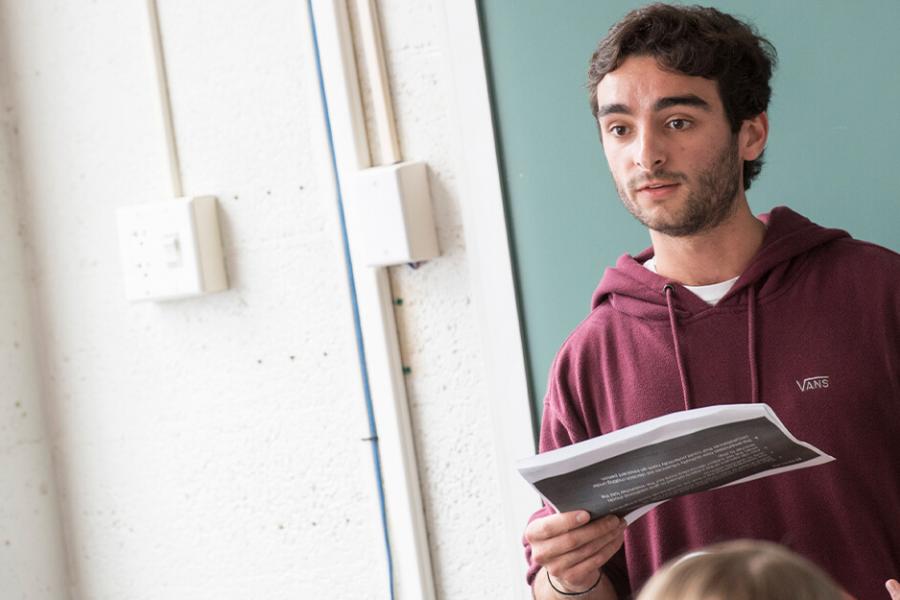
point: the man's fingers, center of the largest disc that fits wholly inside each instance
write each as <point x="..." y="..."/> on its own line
<point x="586" y="569"/>
<point x="562" y="523"/>
<point x="551" y="550"/>
<point x="572" y="549"/>
<point x="893" y="588"/>
<point x="601" y="549"/>
<point x="554" y="525"/>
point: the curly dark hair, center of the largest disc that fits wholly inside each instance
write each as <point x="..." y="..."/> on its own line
<point x="699" y="41"/>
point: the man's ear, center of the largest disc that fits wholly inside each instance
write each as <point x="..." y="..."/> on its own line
<point x="753" y="136"/>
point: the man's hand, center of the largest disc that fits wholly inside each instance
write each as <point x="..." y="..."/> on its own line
<point x="573" y="550"/>
<point x="893" y="588"/>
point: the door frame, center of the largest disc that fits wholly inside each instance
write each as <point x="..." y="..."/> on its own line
<point x="491" y="278"/>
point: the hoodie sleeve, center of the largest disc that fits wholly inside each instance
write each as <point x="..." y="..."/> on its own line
<point x="561" y="424"/>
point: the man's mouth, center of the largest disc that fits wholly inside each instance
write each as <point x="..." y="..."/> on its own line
<point x="657" y="185"/>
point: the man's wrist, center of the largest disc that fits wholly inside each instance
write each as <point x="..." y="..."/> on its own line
<point x="566" y="593"/>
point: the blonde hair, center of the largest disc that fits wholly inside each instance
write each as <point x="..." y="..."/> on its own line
<point x="741" y="570"/>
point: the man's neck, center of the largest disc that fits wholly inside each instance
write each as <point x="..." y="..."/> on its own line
<point x="712" y="256"/>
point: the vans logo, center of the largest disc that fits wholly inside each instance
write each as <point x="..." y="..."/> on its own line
<point x="813" y="383"/>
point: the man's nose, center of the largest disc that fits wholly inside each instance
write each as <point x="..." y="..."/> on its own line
<point x="650" y="151"/>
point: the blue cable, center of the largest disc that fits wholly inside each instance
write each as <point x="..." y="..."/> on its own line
<point x="361" y="351"/>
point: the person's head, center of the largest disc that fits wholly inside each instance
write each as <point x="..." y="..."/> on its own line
<point x="696" y="41"/>
<point x="741" y="570"/>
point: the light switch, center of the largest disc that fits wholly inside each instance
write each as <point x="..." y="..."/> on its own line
<point x="171" y="249"/>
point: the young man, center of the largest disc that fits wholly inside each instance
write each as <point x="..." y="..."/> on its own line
<point x="725" y="307"/>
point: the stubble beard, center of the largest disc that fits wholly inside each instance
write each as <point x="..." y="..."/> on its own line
<point x="709" y="204"/>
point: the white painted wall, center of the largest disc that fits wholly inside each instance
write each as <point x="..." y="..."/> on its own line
<point x="211" y="448"/>
<point x="32" y="561"/>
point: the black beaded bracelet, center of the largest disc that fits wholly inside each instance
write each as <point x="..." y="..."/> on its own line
<point x="562" y="593"/>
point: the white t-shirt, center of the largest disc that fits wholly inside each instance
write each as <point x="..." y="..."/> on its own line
<point x="711" y="294"/>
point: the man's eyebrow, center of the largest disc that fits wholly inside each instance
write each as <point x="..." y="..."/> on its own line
<point x="607" y="109"/>
<point x="686" y="100"/>
<point x="661" y="104"/>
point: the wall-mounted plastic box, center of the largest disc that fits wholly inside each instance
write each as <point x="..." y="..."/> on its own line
<point x="390" y="207"/>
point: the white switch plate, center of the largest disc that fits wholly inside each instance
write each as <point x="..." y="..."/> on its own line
<point x="171" y="249"/>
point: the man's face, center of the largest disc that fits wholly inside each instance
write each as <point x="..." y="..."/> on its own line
<point x="671" y="152"/>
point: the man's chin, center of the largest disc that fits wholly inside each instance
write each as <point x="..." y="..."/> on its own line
<point x="674" y="219"/>
<point x="660" y="220"/>
<point x="674" y="227"/>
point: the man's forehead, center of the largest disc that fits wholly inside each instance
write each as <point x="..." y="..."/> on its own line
<point x="640" y="83"/>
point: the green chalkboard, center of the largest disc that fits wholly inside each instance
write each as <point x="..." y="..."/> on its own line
<point x="832" y="152"/>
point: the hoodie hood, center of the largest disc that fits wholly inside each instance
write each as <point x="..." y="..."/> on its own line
<point x="637" y="291"/>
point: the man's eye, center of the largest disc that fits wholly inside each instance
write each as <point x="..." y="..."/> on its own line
<point x="618" y="130"/>
<point x="679" y="124"/>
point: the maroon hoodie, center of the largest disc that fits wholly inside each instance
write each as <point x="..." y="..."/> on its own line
<point x="811" y="328"/>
